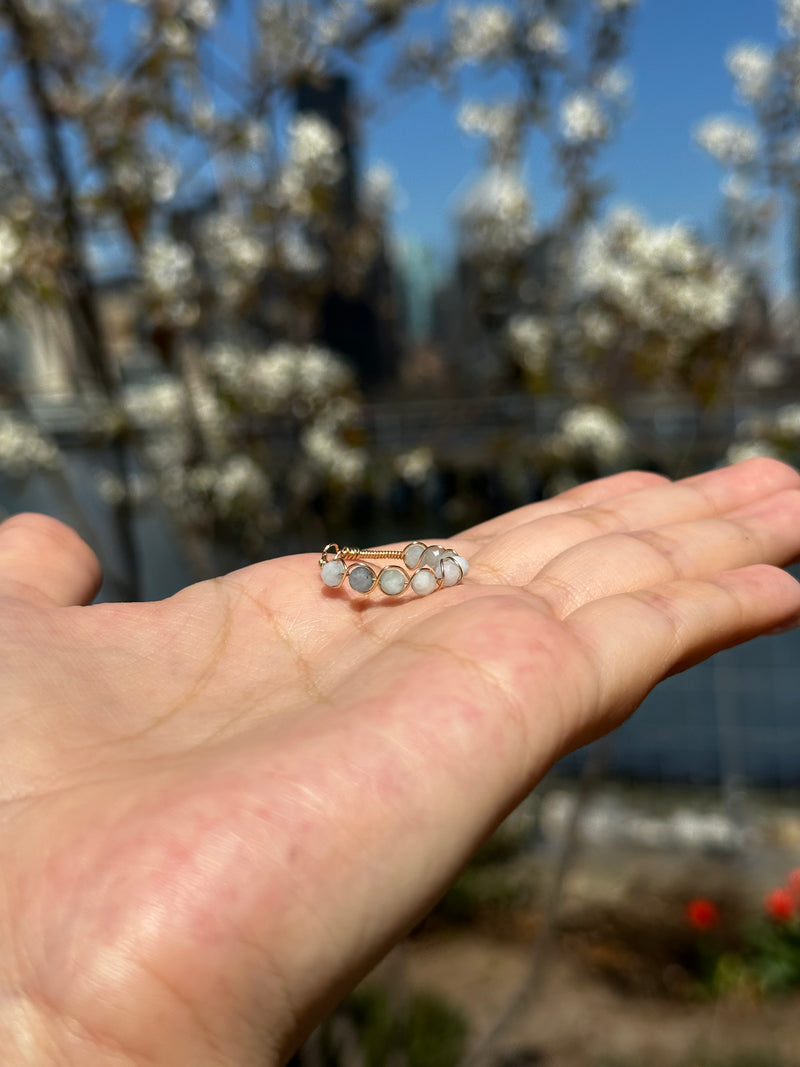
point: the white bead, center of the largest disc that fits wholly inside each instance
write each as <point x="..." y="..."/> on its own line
<point x="423" y="582"/>
<point x="463" y="564"/>
<point x="431" y="557"/>
<point x="412" y="554"/>
<point x="392" y="581"/>
<point x="451" y="571"/>
<point x="332" y="572"/>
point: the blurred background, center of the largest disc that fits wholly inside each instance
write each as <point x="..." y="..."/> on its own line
<point x="280" y="272"/>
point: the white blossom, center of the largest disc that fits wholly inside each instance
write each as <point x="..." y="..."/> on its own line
<point x="314" y="160"/>
<point x="145" y="177"/>
<point x="728" y="141"/>
<point x="735" y="187"/>
<point x="206" y="410"/>
<point x="136" y="488"/>
<point x="228" y="363"/>
<point x="158" y="402"/>
<point x="787" y="420"/>
<point x="298" y="255"/>
<point x="480" y="33"/>
<point x="314" y="147"/>
<point x="598" y="327"/>
<point x="583" y="118"/>
<point x="255" y="135"/>
<point x="23" y="449"/>
<point x="496" y="214"/>
<point x="164" y="180"/>
<point x="239" y="484"/>
<point x="288" y="47"/>
<point x="202" y="13"/>
<point x="764" y="370"/>
<point x="379" y="188"/>
<point x="530" y="338"/>
<point x="415" y="466"/>
<point x="741" y="450"/>
<point x="334" y="22"/>
<point x="177" y="37"/>
<point x="593" y="429"/>
<point x="790" y="16"/>
<point x="270" y="380"/>
<point x="235" y="253"/>
<point x="167" y="267"/>
<point x="10" y="248"/>
<point x="663" y="279"/>
<point x="280" y="376"/>
<point x="203" y="116"/>
<point x="110" y="487"/>
<point x="499" y="123"/>
<point x="547" y="35"/>
<point x="751" y="67"/>
<point x="342" y="462"/>
<point x="614" y="84"/>
<point x="320" y="374"/>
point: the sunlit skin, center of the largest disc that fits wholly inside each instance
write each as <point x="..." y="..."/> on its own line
<point x="220" y="809"/>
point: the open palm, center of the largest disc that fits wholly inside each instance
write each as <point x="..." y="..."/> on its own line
<point x="216" y="811"/>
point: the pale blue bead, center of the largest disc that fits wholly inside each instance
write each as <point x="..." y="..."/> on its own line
<point x="361" y="579"/>
<point x="392" y="581"/>
<point x="332" y="572"/>
<point x="431" y="557"/>
<point x="463" y="564"/>
<point x="423" y="582"/>
<point x="451" y="571"/>
<point x="412" y="554"/>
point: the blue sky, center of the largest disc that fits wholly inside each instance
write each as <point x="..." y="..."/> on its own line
<point x="676" y="61"/>
<point x="679" y="75"/>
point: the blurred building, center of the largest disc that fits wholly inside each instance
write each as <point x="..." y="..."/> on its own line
<point x="472" y="306"/>
<point x="331" y="98"/>
<point x="359" y="316"/>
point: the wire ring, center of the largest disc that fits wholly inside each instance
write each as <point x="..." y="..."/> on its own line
<point x="426" y="568"/>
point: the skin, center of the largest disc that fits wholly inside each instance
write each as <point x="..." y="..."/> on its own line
<point x="218" y="810"/>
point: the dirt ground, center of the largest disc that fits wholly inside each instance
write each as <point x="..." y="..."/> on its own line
<point x="578" y="1020"/>
<point x="583" y="1015"/>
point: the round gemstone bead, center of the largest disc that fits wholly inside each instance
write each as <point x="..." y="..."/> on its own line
<point x="431" y="557"/>
<point x="332" y="572"/>
<point x="361" y="578"/>
<point x="392" y="580"/>
<point x="451" y="572"/>
<point x="423" y="582"/>
<point x="463" y="564"/>
<point x="412" y="554"/>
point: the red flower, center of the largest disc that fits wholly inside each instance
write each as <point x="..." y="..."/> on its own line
<point x="780" y="905"/>
<point x="702" y="914"/>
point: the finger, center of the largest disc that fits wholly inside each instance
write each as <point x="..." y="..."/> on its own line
<point x="619" y="563"/>
<point x="44" y="561"/>
<point x="581" y="496"/>
<point x="519" y="554"/>
<point x="633" y="640"/>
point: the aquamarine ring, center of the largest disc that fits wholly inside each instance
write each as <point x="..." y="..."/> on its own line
<point x="427" y="568"/>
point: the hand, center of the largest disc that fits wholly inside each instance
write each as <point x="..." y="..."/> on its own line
<point x="218" y="810"/>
